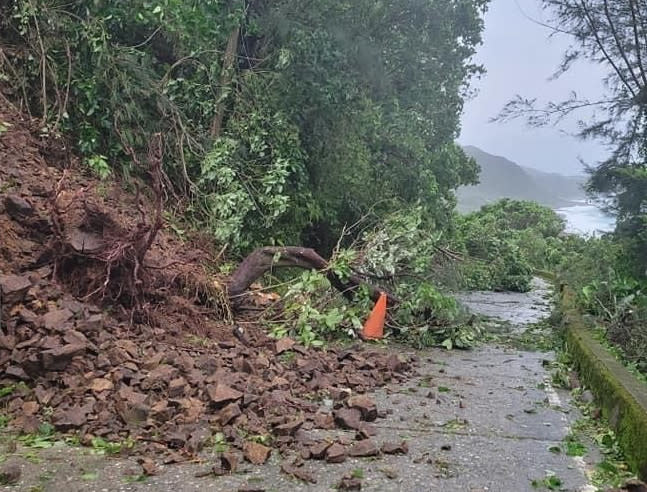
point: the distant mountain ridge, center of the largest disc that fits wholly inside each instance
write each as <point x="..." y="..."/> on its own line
<point x="502" y="178"/>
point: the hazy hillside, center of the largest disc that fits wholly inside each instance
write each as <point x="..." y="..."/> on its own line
<point x="502" y="178"/>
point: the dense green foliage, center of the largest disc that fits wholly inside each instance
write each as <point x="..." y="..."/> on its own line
<point x="282" y="122"/>
<point x="504" y="243"/>
<point x="402" y="255"/>
<point x="609" y="274"/>
<point x="613" y="35"/>
<point x="601" y="273"/>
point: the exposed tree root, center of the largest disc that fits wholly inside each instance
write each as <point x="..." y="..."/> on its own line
<point x="98" y="257"/>
<point x="263" y="259"/>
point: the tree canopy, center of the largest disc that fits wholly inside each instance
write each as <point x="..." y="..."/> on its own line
<point x="612" y="34"/>
<point x="284" y="122"/>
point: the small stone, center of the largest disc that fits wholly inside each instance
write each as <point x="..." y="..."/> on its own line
<point x="397" y="363"/>
<point x="365" y="405"/>
<point x="10" y="474"/>
<point x="364" y="448"/>
<point x="221" y="393"/>
<point x="57" y="359"/>
<point x="92" y="323"/>
<point x="288" y="429"/>
<point x="256" y="453"/>
<point x="336" y="453"/>
<point x="226" y="464"/>
<point x="324" y="421"/>
<point x="30" y="408"/>
<point x="17" y="207"/>
<point x="395" y="448"/>
<point x="17" y="373"/>
<point x="101" y="384"/>
<point x="318" y="450"/>
<point x="349" y="483"/>
<point x="389" y="473"/>
<point x="72" y="418"/>
<point x="297" y="472"/>
<point x="56" y="319"/>
<point x="229" y="413"/>
<point x="14" y="288"/>
<point x="177" y="387"/>
<point x="148" y="466"/>
<point x="348" y="418"/>
<point x="283" y="345"/>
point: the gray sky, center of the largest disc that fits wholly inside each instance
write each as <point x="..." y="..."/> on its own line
<point x="520" y="58"/>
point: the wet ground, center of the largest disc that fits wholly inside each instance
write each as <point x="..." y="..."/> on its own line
<point x="486" y="419"/>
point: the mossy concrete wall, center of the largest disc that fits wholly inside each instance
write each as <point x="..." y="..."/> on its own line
<point x="620" y="395"/>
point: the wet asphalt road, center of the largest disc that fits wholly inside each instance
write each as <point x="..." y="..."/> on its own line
<point x="481" y="420"/>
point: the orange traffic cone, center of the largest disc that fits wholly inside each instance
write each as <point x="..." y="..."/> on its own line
<point x="374" y="326"/>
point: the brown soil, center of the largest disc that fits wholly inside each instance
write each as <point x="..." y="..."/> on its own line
<point x="115" y="343"/>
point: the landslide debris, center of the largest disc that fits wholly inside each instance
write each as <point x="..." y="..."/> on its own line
<point x="160" y="362"/>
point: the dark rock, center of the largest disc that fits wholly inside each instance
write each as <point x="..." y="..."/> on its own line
<point x="318" y="450"/>
<point x="229" y="413"/>
<point x="288" y="429"/>
<point x="72" y="418"/>
<point x="13" y="288"/>
<point x="365" y="405"/>
<point x="177" y="387"/>
<point x="221" y="394"/>
<point x="349" y="483"/>
<point x="56" y="319"/>
<point x="10" y="474"/>
<point x="58" y="359"/>
<point x="226" y="464"/>
<point x="364" y="448"/>
<point x="283" y="345"/>
<point x="635" y="485"/>
<point x="18" y="208"/>
<point x="16" y="372"/>
<point x="395" y="448"/>
<point x="298" y="472"/>
<point x="85" y="242"/>
<point x="336" y="453"/>
<point x="348" y="418"/>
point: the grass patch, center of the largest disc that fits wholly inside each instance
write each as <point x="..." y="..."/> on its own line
<point x="573" y="446"/>
<point x="550" y="482"/>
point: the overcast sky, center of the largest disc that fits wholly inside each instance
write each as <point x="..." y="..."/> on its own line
<point x="520" y="58"/>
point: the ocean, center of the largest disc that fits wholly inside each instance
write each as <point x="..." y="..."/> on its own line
<point x="586" y="219"/>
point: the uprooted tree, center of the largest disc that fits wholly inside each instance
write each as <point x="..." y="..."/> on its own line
<point x="264" y="259"/>
<point x="95" y="254"/>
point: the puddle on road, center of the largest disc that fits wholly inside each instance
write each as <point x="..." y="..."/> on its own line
<point x="518" y="309"/>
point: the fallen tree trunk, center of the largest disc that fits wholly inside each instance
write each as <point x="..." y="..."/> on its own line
<point x="263" y="259"/>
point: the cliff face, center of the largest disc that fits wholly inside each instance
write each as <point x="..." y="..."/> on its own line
<point x="502" y="178"/>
